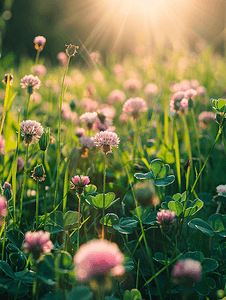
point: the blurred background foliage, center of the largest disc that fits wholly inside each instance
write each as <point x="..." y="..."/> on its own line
<point x="110" y="26"/>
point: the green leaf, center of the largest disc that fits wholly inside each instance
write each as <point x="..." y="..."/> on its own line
<point x="151" y="218"/>
<point x="144" y="212"/>
<point x="148" y="175"/>
<point x="18" y="288"/>
<point x="218" y="222"/>
<point x="205" y="286"/>
<point x="26" y="276"/>
<point x="209" y="265"/>
<point x="80" y="293"/>
<point x="203" y="226"/>
<point x="196" y="255"/>
<point x="176" y="206"/>
<point x="6" y="269"/>
<point x="97" y="202"/>
<point x="159" y="257"/>
<point x="53" y="296"/>
<point x="57" y="218"/>
<point x="18" y="259"/>
<point x="156" y="166"/>
<point x="125" y="225"/>
<point x="165" y="181"/>
<point x="134" y="294"/>
<point x="192" y="207"/>
<point x="71" y="219"/>
<point x="128" y="264"/>
<point x="90" y="189"/>
<point x="16" y="237"/>
<point x="63" y="261"/>
<point x="177" y="197"/>
<point x="110" y="219"/>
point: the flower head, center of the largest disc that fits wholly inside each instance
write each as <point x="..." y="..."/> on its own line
<point x="186" y="273"/>
<point x="30" y="82"/>
<point x="151" y="89"/>
<point x="132" y="85"/>
<point x="106" y="140"/>
<point x="39" y="42"/>
<point x="221" y="189"/>
<point x="3" y="205"/>
<point x="8" y="77"/>
<point x="165" y="218"/>
<point x="95" y="56"/>
<point x="86" y="141"/>
<point x="30" y="130"/>
<point x="78" y="183"/>
<point x="38" y="173"/>
<point x="39" y="70"/>
<point x="62" y="57"/>
<point x="98" y="258"/>
<point x="71" y="50"/>
<point x="37" y="242"/>
<point x="134" y="106"/>
<point x="89" y="118"/>
<point x="116" y="96"/>
<point x="2" y="144"/>
<point x="7" y="191"/>
<point x="79" y="132"/>
<point x="206" y="118"/>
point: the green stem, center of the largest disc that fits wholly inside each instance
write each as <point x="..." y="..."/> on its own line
<point x="198" y="145"/>
<point x="216" y="139"/>
<point x="65" y="187"/>
<point x="104" y="185"/>
<point x="37" y="57"/>
<point x="5" y="105"/>
<point x="24" y="182"/>
<point x="44" y="190"/>
<point x="177" y="154"/>
<point x="37" y="203"/>
<point x="144" y="237"/>
<point x="3" y="244"/>
<point x="27" y="110"/>
<point x="59" y="126"/>
<point x="79" y="208"/>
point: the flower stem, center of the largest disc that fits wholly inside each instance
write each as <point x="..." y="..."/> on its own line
<point x="5" y="105"/>
<point x="27" y="110"/>
<point x="104" y="185"/>
<point x="177" y="154"/>
<point x="44" y="190"/>
<point x="37" y="202"/>
<point x="59" y="126"/>
<point x="24" y="182"/>
<point x="79" y="208"/>
<point x="37" y="57"/>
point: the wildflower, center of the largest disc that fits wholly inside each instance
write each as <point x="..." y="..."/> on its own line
<point x="39" y="42"/>
<point x="86" y="141"/>
<point x="30" y="82"/>
<point x="7" y="191"/>
<point x="132" y="85"/>
<point x="90" y="105"/>
<point x="8" y="77"/>
<point x="89" y="118"/>
<point x="186" y="273"/>
<point x="38" y="173"/>
<point x="90" y="90"/>
<point x="102" y="123"/>
<point x="36" y="97"/>
<point x="78" y="183"/>
<point x="134" y="106"/>
<point x="118" y="70"/>
<point x="206" y="118"/>
<point x="221" y="189"/>
<point x="165" y="218"/>
<point x="79" y="132"/>
<point x="98" y="258"/>
<point x="38" y="242"/>
<point x="71" y="50"/>
<point x="175" y="102"/>
<point x="39" y="70"/>
<point x="95" y="56"/>
<point x="116" y="96"/>
<point x="107" y="140"/>
<point x="3" y="205"/>
<point x="201" y="90"/>
<point x="2" y="144"/>
<point x="123" y="118"/>
<point x="30" y="130"/>
<point x="20" y="163"/>
<point x="151" y="89"/>
<point x="108" y="111"/>
<point x="62" y="57"/>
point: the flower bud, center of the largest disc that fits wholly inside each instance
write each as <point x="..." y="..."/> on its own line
<point x="44" y="140"/>
<point x="7" y="191"/>
<point x="71" y="50"/>
<point x="39" y="173"/>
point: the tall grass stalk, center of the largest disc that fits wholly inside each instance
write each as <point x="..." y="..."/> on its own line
<point x="195" y="131"/>
<point x="177" y="153"/>
<point x="27" y="109"/>
<point x="59" y="127"/>
<point x="23" y="184"/>
<point x="65" y="186"/>
<point x="44" y="189"/>
<point x="144" y="237"/>
<point x="5" y="104"/>
<point x="37" y="203"/>
<point x="104" y="186"/>
<point x="79" y="209"/>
